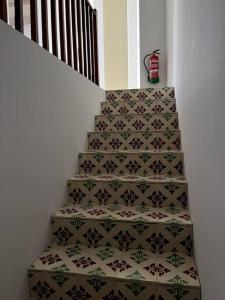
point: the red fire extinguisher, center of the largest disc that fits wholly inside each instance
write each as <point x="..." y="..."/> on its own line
<point x="152" y="66"/>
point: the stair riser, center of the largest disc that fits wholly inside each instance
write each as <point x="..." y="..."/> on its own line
<point x="123" y="235"/>
<point x="139" y="95"/>
<point x="135" y="141"/>
<point x="138" y="163"/>
<point x="80" y="287"/>
<point x="124" y="192"/>
<point x="156" y="122"/>
<point x="138" y="107"/>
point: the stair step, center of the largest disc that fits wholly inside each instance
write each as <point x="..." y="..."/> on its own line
<point x="124" y="227"/>
<point x="138" y="107"/>
<point x="132" y="162"/>
<point x="156" y="191"/>
<point x="144" y="122"/>
<point x="78" y="272"/>
<point x="154" y="140"/>
<point x="141" y="94"/>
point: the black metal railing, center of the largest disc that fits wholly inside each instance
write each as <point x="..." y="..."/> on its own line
<point x="77" y="35"/>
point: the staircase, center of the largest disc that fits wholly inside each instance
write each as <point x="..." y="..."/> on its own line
<point x="125" y="232"/>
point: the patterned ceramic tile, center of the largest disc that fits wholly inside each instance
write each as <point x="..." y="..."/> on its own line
<point x="138" y="107"/>
<point x="126" y="232"/>
<point x="141" y="94"/>
<point x="156" y="191"/>
<point x="177" y="290"/>
<point x="168" y="140"/>
<point x="132" y="162"/>
<point x="145" y="122"/>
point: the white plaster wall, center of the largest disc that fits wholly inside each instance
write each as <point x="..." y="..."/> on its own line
<point x="98" y="4"/>
<point x="46" y="109"/>
<point x="133" y="36"/>
<point x="201" y="104"/>
<point x="153" y="35"/>
<point x="115" y="44"/>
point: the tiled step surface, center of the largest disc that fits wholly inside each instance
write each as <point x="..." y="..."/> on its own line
<point x="141" y="94"/>
<point x="132" y="162"/>
<point x="145" y="122"/>
<point x="125" y="232"/>
<point x="154" y="140"/>
<point x="138" y="107"/>
<point x="78" y="272"/>
<point x="155" y="191"/>
<point x="124" y="227"/>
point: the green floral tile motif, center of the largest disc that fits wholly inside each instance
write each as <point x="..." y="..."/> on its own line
<point x="139" y="257"/>
<point x="136" y="276"/>
<point x="175" y="260"/>
<point x="178" y="290"/>
<point x="73" y="251"/>
<point x="60" y="278"/>
<point x="136" y="288"/>
<point x="96" y="283"/>
<point x="105" y="254"/>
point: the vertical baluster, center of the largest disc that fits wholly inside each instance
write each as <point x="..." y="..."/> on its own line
<point x="88" y="39"/>
<point x="44" y="14"/>
<point x="62" y="30"/>
<point x="95" y="24"/>
<point x="19" y="15"/>
<point x="92" y="47"/>
<point x="34" y="20"/>
<point x="78" y="10"/>
<point x="68" y="31"/>
<point x="74" y="33"/>
<point x="3" y="10"/>
<point x="54" y="28"/>
<point x="83" y="2"/>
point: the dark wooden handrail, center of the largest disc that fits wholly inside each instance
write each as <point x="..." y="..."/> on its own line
<point x="77" y="38"/>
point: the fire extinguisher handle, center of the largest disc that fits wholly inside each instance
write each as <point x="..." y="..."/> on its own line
<point x="146" y="56"/>
<point x="156" y="52"/>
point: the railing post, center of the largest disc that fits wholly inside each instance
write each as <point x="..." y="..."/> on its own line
<point x="88" y="39"/>
<point x="19" y="15"/>
<point x="62" y="30"/>
<point x="3" y="10"/>
<point x="34" y="20"/>
<point x="92" y="47"/>
<point x="83" y="2"/>
<point x="95" y="21"/>
<point x="54" y="28"/>
<point x="44" y="13"/>
<point x="68" y="32"/>
<point x="74" y="33"/>
<point x="78" y="11"/>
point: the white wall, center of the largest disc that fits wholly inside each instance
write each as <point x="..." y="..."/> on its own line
<point x="153" y="35"/>
<point x="98" y="4"/>
<point x="201" y="104"/>
<point x="46" y="109"/>
<point x="133" y="36"/>
<point x="115" y="44"/>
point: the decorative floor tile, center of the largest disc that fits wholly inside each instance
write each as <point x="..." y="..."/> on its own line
<point x="167" y="140"/>
<point x="177" y="267"/>
<point x="145" y="122"/>
<point x="136" y="290"/>
<point x="132" y="162"/>
<point x="126" y="232"/>
<point x="138" y="107"/>
<point x="156" y="191"/>
<point x="178" y="291"/>
<point x="141" y="94"/>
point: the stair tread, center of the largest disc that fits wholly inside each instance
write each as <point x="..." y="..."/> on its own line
<point x="130" y="178"/>
<point x="152" y="151"/>
<point x="112" y="263"/>
<point x="124" y="213"/>
<point x="135" y="115"/>
<point x="134" y="132"/>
